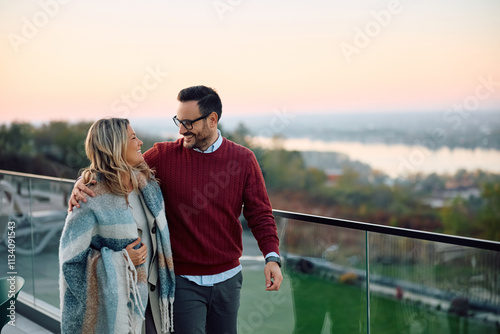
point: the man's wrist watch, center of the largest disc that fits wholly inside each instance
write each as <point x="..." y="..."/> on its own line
<point x="273" y="259"/>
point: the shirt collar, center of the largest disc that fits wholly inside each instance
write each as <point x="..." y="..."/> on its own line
<point x="212" y="148"/>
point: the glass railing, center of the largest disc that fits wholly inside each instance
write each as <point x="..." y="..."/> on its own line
<point x="32" y="213"/>
<point x="339" y="276"/>
<point x="353" y="277"/>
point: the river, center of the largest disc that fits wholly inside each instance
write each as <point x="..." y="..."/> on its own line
<point x="399" y="160"/>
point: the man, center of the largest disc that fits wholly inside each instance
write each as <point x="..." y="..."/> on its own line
<point x="205" y="180"/>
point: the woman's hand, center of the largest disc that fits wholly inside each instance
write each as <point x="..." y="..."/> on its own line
<point x="138" y="256"/>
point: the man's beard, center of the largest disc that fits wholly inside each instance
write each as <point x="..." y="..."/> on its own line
<point x="198" y="140"/>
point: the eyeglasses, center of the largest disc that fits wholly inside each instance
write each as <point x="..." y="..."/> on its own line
<point x="188" y="124"/>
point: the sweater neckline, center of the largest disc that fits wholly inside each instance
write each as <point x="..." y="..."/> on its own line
<point x="222" y="145"/>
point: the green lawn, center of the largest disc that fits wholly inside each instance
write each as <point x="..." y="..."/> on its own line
<point x="345" y="306"/>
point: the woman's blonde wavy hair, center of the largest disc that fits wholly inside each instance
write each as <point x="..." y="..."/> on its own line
<point x="105" y="147"/>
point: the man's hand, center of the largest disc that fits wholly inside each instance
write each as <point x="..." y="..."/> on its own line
<point x="78" y="194"/>
<point x="137" y="256"/>
<point x="272" y="271"/>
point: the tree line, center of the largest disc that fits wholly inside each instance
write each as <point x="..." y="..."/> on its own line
<point x="57" y="149"/>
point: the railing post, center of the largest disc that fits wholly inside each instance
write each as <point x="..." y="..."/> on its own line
<point x="32" y="239"/>
<point x="367" y="260"/>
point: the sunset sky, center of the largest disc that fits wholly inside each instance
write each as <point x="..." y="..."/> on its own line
<point x="73" y="60"/>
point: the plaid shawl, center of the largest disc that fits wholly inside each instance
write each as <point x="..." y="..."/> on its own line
<point x="101" y="290"/>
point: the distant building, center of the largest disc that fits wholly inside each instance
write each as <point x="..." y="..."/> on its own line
<point x="332" y="176"/>
<point x="453" y="189"/>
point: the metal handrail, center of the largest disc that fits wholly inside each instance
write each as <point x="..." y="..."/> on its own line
<point x="391" y="230"/>
<point x="36" y="176"/>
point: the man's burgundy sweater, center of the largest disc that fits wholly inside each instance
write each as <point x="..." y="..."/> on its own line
<point x="204" y="194"/>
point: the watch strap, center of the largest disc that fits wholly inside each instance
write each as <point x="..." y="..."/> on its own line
<point x="273" y="259"/>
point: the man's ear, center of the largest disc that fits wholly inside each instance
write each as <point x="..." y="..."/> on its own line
<point x="213" y="119"/>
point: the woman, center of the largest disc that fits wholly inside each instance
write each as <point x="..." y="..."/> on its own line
<point x="105" y="270"/>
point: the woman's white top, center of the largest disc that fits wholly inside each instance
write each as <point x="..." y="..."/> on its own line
<point x="142" y="224"/>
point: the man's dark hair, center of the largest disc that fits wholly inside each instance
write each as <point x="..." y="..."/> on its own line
<point x="208" y="99"/>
